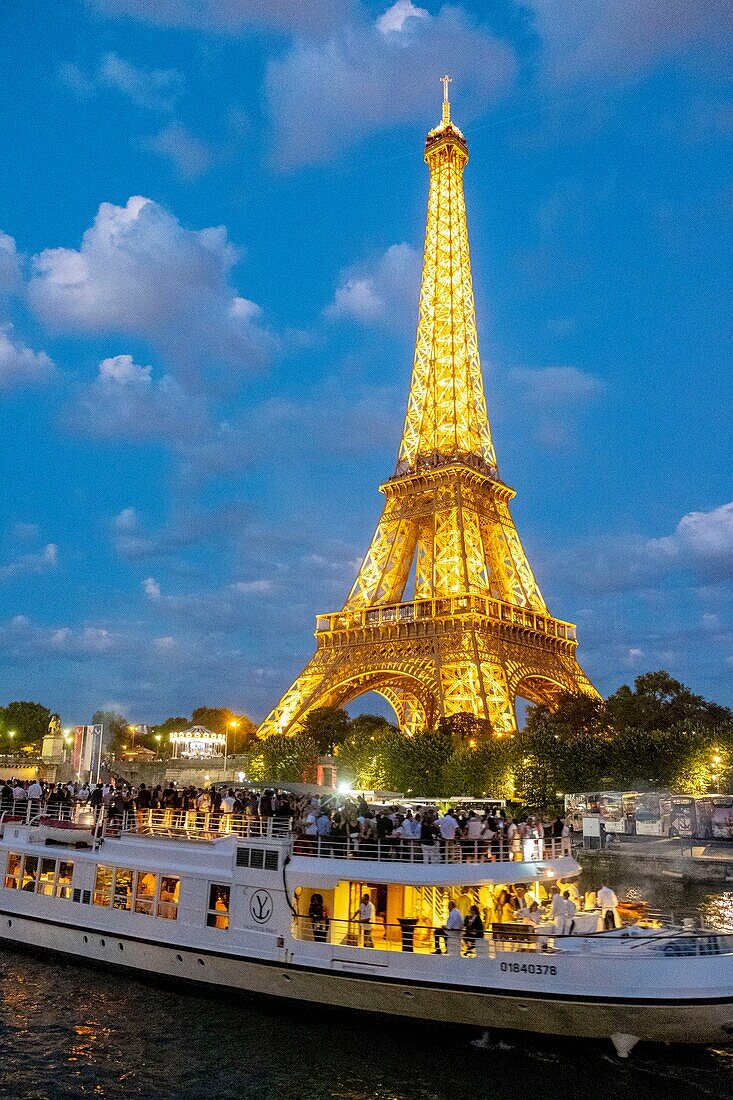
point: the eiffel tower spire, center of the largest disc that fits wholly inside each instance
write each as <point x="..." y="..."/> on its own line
<point x="475" y="632"/>
<point x="446" y="410"/>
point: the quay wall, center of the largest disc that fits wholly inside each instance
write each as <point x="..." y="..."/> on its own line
<point x="716" y="868"/>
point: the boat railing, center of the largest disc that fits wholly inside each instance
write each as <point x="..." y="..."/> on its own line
<point x="393" y="850"/>
<point x="413" y="936"/>
<point x="166" y="822"/>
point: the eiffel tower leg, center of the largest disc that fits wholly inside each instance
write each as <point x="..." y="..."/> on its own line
<point x="333" y="677"/>
<point x="478" y="684"/>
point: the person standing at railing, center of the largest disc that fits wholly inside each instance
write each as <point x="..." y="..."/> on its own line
<point x="473" y="841"/>
<point x="365" y="915"/>
<point x="448" y="826"/>
<point x="319" y="918"/>
<point x="429" y="841"/>
<point x="450" y="933"/>
<point x="35" y="794"/>
<point x="473" y="929"/>
<point x="608" y="904"/>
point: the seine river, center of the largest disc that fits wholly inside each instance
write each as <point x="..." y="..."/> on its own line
<point x="71" y="1031"/>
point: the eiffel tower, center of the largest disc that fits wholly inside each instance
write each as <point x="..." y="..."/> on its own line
<point x="475" y="632"/>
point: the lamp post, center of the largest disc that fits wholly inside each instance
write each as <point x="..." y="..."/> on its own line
<point x="157" y="742"/>
<point x="233" y="725"/>
<point x="715" y="770"/>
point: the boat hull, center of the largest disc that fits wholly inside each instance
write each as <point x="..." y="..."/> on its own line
<point x="369" y="987"/>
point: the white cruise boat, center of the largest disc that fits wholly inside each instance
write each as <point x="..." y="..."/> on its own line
<point x="225" y="902"/>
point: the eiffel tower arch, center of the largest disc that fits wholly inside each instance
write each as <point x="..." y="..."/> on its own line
<point x="474" y="632"/>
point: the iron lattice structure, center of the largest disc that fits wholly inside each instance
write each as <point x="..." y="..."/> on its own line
<point x="476" y="632"/>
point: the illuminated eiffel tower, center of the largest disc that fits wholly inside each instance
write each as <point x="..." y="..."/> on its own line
<point x="476" y="632"/>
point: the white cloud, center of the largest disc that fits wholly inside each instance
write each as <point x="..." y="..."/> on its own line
<point x="23" y="639"/>
<point x="595" y="37"/>
<point x="19" y="364"/>
<point x="76" y="80"/>
<point x="557" y="386"/>
<point x="225" y="523"/>
<point x="153" y="89"/>
<point x="25" y="531"/>
<point x="633" y="657"/>
<point x="151" y="588"/>
<point x="393" y="20"/>
<point x="125" y="402"/>
<point x="10" y="273"/>
<point x="701" y="545"/>
<point x="139" y="271"/>
<point x="702" y="541"/>
<point x="370" y="76"/>
<point x="190" y="155"/>
<point x="253" y="588"/>
<point x="304" y="16"/>
<point x="44" y="562"/>
<point x="384" y="290"/>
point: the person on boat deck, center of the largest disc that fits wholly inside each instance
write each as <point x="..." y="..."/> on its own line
<point x="227" y="803"/>
<point x="530" y="914"/>
<point x="569" y="915"/>
<point x="473" y="929"/>
<point x="448" y="827"/>
<point x="365" y="915"/>
<point x="450" y="930"/>
<point x="319" y="918"/>
<point x="608" y="904"/>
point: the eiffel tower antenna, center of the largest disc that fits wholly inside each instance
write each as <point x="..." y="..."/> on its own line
<point x="445" y="81"/>
<point x="474" y="633"/>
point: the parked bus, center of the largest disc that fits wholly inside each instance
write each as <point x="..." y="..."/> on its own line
<point x="653" y="813"/>
<point x="615" y="809"/>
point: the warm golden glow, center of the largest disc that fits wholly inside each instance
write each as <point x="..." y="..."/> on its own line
<point x="475" y="631"/>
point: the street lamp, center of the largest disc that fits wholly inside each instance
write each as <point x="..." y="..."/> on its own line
<point x="157" y="742"/>
<point x="233" y="725"/>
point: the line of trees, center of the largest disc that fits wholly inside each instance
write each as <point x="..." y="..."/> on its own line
<point x="656" y="735"/>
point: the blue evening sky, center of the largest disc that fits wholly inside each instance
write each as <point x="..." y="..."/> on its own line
<point x="211" y="219"/>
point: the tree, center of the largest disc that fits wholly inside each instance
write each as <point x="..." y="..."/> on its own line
<point x="328" y="726"/>
<point x="116" y="729"/>
<point x="239" y="729"/>
<point x="465" y="729"/>
<point x="659" y="702"/>
<point x="484" y="771"/>
<point x="361" y="756"/>
<point x="28" y="721"/>
<point x="289" y="759"/>
<point x="414" y="764"/>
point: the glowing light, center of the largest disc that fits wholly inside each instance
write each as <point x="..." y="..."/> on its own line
<point x="240" y="777"/>
<point x="477" y="628"/>
<point x="345" y="788"/>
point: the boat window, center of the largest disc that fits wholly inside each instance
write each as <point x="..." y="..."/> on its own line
<point x="63" y="879"/>
<point x="146" y="887"/>
<point x="47" y="876"/>
<point x="103" y="885"/>
<point x="170" y="886"/>
<point x="12" y="871"/>
<point x="122" y="897"/>
<point x="217" y="915"/>
<point x="30" y="870"/>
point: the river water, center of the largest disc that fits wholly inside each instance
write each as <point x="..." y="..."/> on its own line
<point x="67" y="1030"/>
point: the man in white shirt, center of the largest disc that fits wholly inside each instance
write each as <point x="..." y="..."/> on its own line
<point x="607" y="902"/>
<point x="447" y="827"/>
<point x="227" y="803"/>
<point x="450" y="933"/>
<point x="365" y="915"/>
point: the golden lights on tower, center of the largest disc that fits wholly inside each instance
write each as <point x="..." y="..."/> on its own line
<point x="475" y="631"/>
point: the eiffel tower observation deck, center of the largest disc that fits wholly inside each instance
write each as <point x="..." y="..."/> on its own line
<point x="473" y="632"/>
